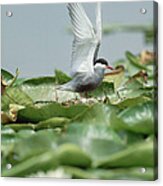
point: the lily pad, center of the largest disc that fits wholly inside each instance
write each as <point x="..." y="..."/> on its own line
<point x="69" y="154"/>
<point x="15" y="95"/>
<point x="139" y="119"/>
<point x="6" y="76"/>
<point x="36" y="114"/>
<point x="44" y="161"/>
<point x="140" y="154"/>
<point x="110" y="174"/>
<point x="43" y="89"/>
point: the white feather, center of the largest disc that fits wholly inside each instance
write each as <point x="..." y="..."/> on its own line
<point x="86" y="41"/>
<point x="98" y="22"/>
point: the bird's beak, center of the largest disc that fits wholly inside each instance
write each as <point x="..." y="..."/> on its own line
<point x="110" y="68"/>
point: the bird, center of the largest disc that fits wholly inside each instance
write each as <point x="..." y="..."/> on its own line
<point x="87" y="71"/>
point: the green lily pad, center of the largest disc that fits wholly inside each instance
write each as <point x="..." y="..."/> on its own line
<point x="70" y="154"/>
<point x="61" y="77"/>
<point x="139" y="119"/>
<point x="15" y="95"/>
<point x="44" y="161"/>
<point x="43" y="89"/>
<point x="52" y="123"/>
<point x="6" y="76"/>
<point x="140" y="154"/>
<point x="36" y="114"/>
<point x="110" y="174"/>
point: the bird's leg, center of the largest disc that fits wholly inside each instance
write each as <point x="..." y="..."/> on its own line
<point x="83" y="97"/>
<point x="86" y="94"/>
<point x="76" y="98"/>
<point x="83" y="94"/>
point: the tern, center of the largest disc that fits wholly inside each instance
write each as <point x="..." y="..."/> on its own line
<point x="86" y="70"/>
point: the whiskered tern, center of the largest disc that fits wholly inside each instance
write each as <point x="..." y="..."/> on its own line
<point x="87" y="71"/>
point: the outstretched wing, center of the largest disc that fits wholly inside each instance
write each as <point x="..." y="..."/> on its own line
<point x="86" y="40"/>
<point x="98" y="29"/>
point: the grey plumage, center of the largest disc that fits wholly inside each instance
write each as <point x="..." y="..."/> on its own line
<point x="87" y="71"/>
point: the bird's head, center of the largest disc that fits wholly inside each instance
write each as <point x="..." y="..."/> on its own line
<point x="102" y="64"/>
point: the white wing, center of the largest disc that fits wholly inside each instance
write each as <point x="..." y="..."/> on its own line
<point x="98" y="28"/>
<point x="86" y="41"/>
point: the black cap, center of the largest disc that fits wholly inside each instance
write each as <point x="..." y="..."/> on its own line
<point x="102" y="61"/>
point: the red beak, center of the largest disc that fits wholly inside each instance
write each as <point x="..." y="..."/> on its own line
<point x="110" y="68"/>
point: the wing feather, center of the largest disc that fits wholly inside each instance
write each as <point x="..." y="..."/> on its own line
<point x="86" y="41"/>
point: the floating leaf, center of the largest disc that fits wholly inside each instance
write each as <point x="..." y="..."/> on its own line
<point x="6" y="76"/>
<point x="138" y="119"/>
<point x="91" y="138"/>
<point x="110" y="174"/>
<point x="20" y="126"/>
<point x="15" y="95"/>
<point x="135" y="60"/>
<point x="128" y="102"/>
<point x="40" y="89"/>
<point x="35" y="143"/>
<point x="61" y="77"/>
<point x="36" y="114"/>
<point x="140" y="154"/>
<point x="44" y="161"/>
<point x="117" y="76"/>
<point x="52" y="123"/>
<point x="103" y="90"/>
<point x="43" y="89"/>
<point x="96" y="113"/>
<point x="72" y="155"/>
